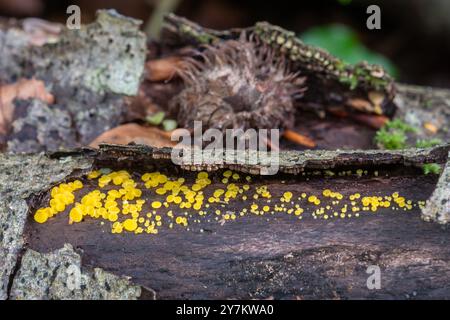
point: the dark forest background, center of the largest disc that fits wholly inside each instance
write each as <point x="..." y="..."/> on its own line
<point x="414" y="42"/>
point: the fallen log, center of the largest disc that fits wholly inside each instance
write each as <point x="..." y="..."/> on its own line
<point x="269" y="256"/>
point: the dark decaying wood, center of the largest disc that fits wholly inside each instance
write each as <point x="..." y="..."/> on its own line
<point x="273" y="256"/>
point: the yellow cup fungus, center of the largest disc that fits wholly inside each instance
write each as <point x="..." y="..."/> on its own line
<point x="145" y="203"/>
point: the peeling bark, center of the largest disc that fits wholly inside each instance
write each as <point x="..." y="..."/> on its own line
<point x="438" y="207"/>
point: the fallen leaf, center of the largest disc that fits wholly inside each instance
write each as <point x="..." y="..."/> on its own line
<point x="22" y="89"/>
<point x="377" y="99"/>
<point x="430" y="127"/>
<point x="133" y="132"/>
<point x="360" y="105"/>
<point x="299" y="138"/>
<point x="373" y="121"/>
<point x="163" y="69"/>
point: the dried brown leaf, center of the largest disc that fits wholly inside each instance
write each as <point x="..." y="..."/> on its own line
<point x="133" y="132"/>
<point x="163" y="69"/>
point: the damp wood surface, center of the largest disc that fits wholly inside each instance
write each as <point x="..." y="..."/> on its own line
<point x="274" y="255"/>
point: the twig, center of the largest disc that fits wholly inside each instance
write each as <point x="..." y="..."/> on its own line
<point x="372" y="121"/>
<point x="154" y="23"/>
<point x="299" y="139"/>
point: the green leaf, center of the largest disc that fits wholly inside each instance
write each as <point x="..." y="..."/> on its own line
<point x="169" y="125"/>
<point x="156" y="118"/>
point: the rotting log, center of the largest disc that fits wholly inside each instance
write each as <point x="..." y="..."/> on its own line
<point x="251" y="257"/>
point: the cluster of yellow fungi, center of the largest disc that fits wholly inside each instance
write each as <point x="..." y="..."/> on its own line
<point x="117" y="197"/>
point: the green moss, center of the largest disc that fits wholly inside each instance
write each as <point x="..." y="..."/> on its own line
<point x="428" y="143"/>
<point x="393" y="135"/>
<point x="198" y="35"/>
<point x="400" y="125"/>
<point x="431" y="168"/>
<point x="391" y="140"/>
<point x="351" y="81"/>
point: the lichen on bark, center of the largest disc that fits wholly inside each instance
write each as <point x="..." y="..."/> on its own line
<point x="20" y="177"/>
<point x="87" y="70"/>
<point x="438" y="206"/>
<point x="58" y="275"/>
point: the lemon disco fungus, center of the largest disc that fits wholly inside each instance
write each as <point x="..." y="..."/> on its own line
<point x="148" y="202"/>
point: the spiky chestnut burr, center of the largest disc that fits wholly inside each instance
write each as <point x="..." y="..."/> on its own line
<point x="331" y="82"/>
<point x="238" y="84"/>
